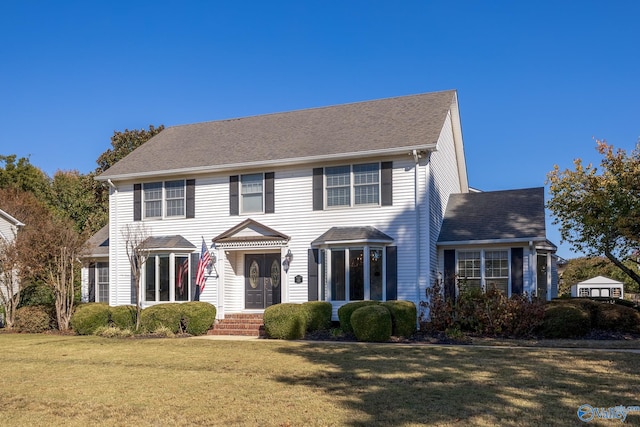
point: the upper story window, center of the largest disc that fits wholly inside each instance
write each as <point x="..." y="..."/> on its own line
<point x="168" y="194"/>
<point x="252" y="192"/>
<point x="352" y="185"/>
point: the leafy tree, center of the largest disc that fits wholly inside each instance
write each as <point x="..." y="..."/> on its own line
<point x="583" y="268"/>
<point x="22" y="175"/>
<point x="124" y="143"/>
<point x="598" y="210"/>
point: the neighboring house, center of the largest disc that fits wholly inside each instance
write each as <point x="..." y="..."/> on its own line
<point x="498" y="239"/>
<point x="9" y="227"/>
<point x="95" y="274"/>
<point x="341" y="203"/>
<point x="599" y="286"/>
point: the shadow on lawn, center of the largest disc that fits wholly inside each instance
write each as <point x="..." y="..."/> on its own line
<point x="391" y="385"/>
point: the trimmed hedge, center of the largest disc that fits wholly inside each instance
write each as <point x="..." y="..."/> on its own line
<point x="372" y="323"/>
<point x="286" y="321"/>
<point x="197" y="317"/>
<point x="403" y="317"/>
<point x="319" y="315"/>
<point x="168" y="315"/>
<point x="123" y="316"/>
<point x="611" y="317"/>
<point x="32" y="319"/>
<point x="565" y="321"/>
<point x="87" y="318"/>
<point x="345" y="312"/>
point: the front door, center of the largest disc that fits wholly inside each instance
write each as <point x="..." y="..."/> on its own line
<point x="262" y="280"/>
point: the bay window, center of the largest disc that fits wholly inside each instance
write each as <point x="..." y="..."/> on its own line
<point x="354" y="274"/>
<point x="166" y="278"/>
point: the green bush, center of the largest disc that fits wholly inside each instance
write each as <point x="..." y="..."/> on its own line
<point x="372" y="323"/>
<point x="345" y="312"/>
<point x="565" y="321"/>
<point x="168" y="315"/>
<point x="32" y="319"/>
<point x="286" y="321"/>
<point x="403" y="317"/>
<point x="123" y="316"/>
<point x="197" y="317"/>
<point x="319" y="315"/>
<point x="89" y="317"/>
<point x="613" y="317"/>
<point x="35" y="294"/>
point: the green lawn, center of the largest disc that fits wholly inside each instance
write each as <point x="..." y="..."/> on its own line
<point x="69" y="380"/>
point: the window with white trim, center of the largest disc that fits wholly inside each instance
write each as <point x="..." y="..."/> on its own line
<point x="102" y="282"/>
<point x="484" y="269"/>
<point x="583" y="292"/>
<point x="166" y="278"/>
<point x="354" y="274"/>
<point x="352" y="185"/>
<point x="169" y="195"/>
<point x="252" y="193"/>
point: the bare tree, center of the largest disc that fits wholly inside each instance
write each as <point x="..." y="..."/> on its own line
<point x="10" y="284"/>
<point x="136" y="239"/>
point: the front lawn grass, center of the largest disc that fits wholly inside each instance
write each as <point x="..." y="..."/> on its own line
<point x="71" y="380"/>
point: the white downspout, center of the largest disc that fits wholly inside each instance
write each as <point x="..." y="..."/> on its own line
<point x="416" y="159"/>
<point x="113" y="243"/>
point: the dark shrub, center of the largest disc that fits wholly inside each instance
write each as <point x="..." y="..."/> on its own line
<point x="565" y="321"/>
<point x="197" y="317"/>
<point x="613" y="317"/>
<point x="287" y="321"/>
<point x="403" y="317"/>
<point x="524" y="316"/>
<point x="123" y="316"/>
<point x="32" y="319"/>
<point x="372" y="323"/>
<point x="319" y="315"/>
<point x="34" y="294"/>
<point x="168" y="315"/>
<point x="88" y="317"/>
<point x="345" y="312"/>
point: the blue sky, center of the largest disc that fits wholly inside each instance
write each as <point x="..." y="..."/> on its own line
<point x="536" y="81"/>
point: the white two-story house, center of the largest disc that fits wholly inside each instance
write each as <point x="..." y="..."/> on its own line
<point x="341" y="203"/>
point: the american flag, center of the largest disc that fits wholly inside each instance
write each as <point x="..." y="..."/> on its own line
<point x="205" y="259"/>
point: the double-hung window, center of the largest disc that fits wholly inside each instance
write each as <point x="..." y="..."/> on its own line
<point x="469" y="271"/>
<point x="252" y="193"/>
<point x="496" y="268"/>
<point x="102" y="282"/>
<point x="164" y="199"/>
<point x="352" y="185"/>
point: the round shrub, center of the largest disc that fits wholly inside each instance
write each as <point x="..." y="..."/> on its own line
<point x="565" y="321"/>
<point x="372" y="323"/>
<point x="168" y="315"/>
<point x="403" y="317"/>
<point x="123" y="316"/>
<point x="319" y="315"/>
<point x="89" y="317"/>
<point x="197" y="317"/>
<point x="32" y="319"/>
<point x="286" y="321"/>
<point x="345" y="312"/>
<point x="613" y="317"/>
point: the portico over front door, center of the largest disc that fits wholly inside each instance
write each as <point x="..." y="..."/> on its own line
<point x="262" y="280"/>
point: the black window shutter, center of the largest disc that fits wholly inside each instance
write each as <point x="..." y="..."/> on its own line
<point x="134" y="290"/>
<point x="312" y="267"/>
<point x="234" y="201"/>
<point x="318" y="189"/>
<point x="392" y="273"/>
<point x="195" y="257"/>
<point x="517" y="273"/>
<point x="386" y="178"/>
<point x="92" y="282"/>
<point x="269" y="195"/>
<point x="137" y="202"/>
<point x="191" y="198"/>
<point x="450" y="275"/>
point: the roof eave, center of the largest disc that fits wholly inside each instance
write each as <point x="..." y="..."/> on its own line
<point x="268" y="163"/>
<point x="492" y="241"/>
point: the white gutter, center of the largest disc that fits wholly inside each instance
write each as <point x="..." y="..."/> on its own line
<point x="491" y="241"/>
<point x="268" y="163"/>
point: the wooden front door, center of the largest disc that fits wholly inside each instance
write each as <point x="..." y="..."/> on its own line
<point x="262" y="280"/>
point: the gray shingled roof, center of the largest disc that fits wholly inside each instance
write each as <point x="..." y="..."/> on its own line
<point x="495" y="215"/>
<point x="352" y="234"/>
<point x="98" y="244"/>
<point x="168" y="242"/>
<point x="380" y="126"/>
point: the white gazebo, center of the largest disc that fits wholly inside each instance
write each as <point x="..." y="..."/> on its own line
<point x="599" y="286"/>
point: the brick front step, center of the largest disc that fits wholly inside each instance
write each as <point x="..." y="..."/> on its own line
<point x="245" y="324"/>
